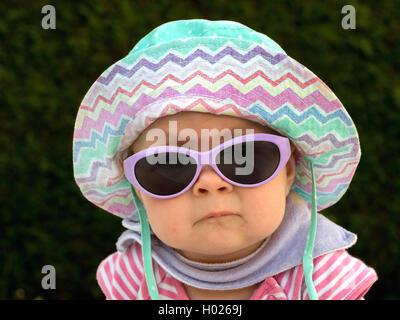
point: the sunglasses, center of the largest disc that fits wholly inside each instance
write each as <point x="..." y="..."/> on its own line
<point x="245" y="161"/>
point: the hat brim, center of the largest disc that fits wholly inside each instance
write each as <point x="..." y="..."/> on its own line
<point x="229" y="76"/>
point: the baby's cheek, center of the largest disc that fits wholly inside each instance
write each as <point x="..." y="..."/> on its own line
<point x="167" y="223"/>
<point x="267" y="198"/>
<point x="267" y="206"/>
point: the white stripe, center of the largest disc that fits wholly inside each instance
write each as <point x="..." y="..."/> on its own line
<point x="302" y="284"/>
<point x="333" y="282"/>
<point x="140" y="294"/>
<point x="136" y="258"/>
<point x="292" y="285"/>
<point x="322" y="262"/>
<point x="125" y="280"/>
<point x="285" y="278"/>
<point x="157" y="274"/>
<point x="328" y="271"/>
<point x="304" y="289"/>
<point x="111" y="263"/>
<point x="105" y="280"/>
<point x="119" y="289"/>
<point x="130" y="271"/>
<point x="168" y="287"/>
<point x="161" y="284"/>
<point x="280" y="295"/>
<point x="112" y="270"/>
<point x="349" y="281"/>
<point x="264" y="297"/>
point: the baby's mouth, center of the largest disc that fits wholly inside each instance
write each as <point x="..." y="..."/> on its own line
<point x="218" y="214"/>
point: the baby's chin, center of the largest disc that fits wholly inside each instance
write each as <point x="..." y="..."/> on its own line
<point x="212" y="252"/>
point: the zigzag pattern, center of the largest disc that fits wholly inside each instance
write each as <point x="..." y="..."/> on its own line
<point x="198" y="53"/>
<point x="258" y="78"/>
<point x="258" y="87"/>
<point x="245" y="70"/>
<point x="254" y="83"/>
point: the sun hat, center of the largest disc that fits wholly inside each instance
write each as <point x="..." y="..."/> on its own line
<point x="218" y="67"/>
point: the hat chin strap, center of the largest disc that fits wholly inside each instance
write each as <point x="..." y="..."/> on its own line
<point x="146" y="248"/>
<point x="308" y="265"/>
<point x="307" y="257"/>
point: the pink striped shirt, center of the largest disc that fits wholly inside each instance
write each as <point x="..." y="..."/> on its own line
<point x="337" y="276"/>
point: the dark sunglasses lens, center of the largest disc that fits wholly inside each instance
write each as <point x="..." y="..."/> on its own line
<point x="168" y="175"/>
<point x="246" y="164"/>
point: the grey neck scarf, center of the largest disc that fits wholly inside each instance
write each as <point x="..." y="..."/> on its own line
<point x="281" y="251"/>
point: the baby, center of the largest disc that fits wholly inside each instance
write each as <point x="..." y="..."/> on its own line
<point x="254" y="213"/>
<point x="159" y="141"/>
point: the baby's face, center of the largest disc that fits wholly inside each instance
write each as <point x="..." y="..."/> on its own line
<point x="180" y="221"/>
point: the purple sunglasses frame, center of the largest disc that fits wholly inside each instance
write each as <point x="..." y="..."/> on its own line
<point x="208" y="158"/>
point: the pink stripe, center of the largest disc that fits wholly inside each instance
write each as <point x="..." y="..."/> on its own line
<point x="268" y="288"/>
<point x="161" y="272"/>
<point x="132" y="262"/>
<point x="178" y="295"/>
<point x="363" y="288"/>
<point x="128" y="276"/>
<point x="138" y="251"/>
<point x="162" y="276"/>
<point x="290" y="285"/>
<point x="356" y="287"/>
<point x="167" y="293"/>
<point x="116" y="294"/>
<point x="123" y="286"/>
<point x="289" y="281"/>
<point x="106" y="268"/>
<point x="279" y="277"/>
<point x="329" y="262"/>
<point x="114" y="291"/>
<point x="297" y="284"/>
<point x="322" y="269"/>
<point x="274" y="292"/>
<point x="144" y="290"/>
<point x="333" y="277"/>
<point x="182" y="294"/>
<point x="350" y="285"/>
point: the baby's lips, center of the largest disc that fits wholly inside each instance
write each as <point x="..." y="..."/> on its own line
<point x="216" y="214"/>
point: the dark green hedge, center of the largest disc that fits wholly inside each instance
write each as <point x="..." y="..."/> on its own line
<point x="44" y="75"/>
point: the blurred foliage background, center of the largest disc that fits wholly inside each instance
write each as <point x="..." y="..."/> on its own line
<point x="44" y="75"/>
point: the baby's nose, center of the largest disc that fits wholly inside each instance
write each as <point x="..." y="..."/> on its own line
<point x="210" y="182"/>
